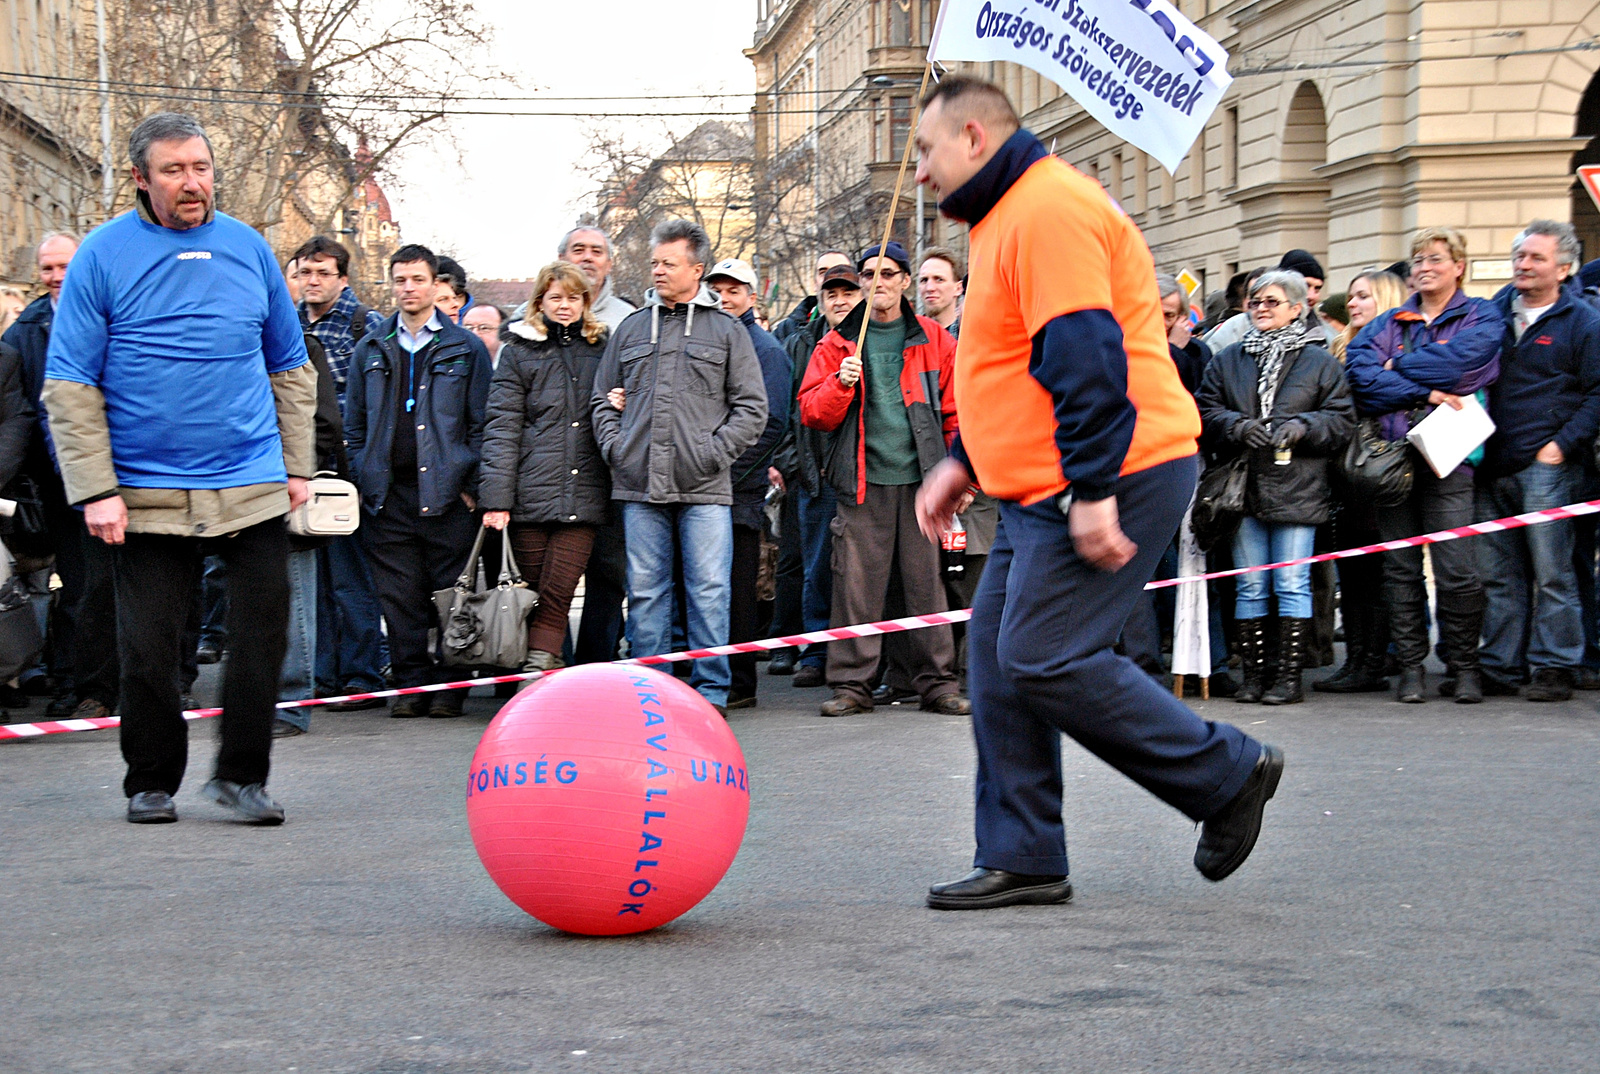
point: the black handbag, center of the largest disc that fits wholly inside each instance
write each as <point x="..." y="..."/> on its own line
<point x="1378" y="471"/>
<point x="1219" y="501"/>
<point x="26" y="533"/>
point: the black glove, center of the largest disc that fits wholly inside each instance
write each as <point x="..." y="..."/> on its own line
<point x="1255" y="433"/>
<point x="1289" y="433"/>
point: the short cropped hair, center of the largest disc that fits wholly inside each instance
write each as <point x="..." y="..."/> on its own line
<point x="413" y="252"/>
<point x="949" y="257"/>
<point x="1566" y="236"/>
<point x="566" y="240"/>
<point x="1452" y="238"/>
<point x="163" y="127"/>
<point x="322" y="246"/>
<point x="974" y="98"/>
<point x="1292" y="283"/>
<point x="1166" y="284"/>
<point x="686" y="231"/>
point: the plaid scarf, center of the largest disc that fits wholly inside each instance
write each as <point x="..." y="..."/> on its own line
<point x="1269" y="350"/>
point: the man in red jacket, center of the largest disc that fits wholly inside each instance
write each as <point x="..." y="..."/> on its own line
<point x="891" y="415"/>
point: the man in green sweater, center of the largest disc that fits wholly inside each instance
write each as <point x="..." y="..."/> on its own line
<point x="890" y="415"/>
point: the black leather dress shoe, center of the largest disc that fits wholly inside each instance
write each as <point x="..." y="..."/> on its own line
<point x="783" y="661"/>
<point x="985" y="889"/>
<point x="249" y="801"/>
<point x="151" y="807"/>
<point x="1227" y="838"/>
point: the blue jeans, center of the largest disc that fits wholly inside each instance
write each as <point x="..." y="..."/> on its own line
<point x="214" y="603"/>
<point x="816" y="551"/>
<point x="299" y="679"/>
<point x="1260" y="542"/>
<point x="350" y="648"/>
<point x="1533" y="618"/>
<point x="703" y="535"/>
<point x="1042" y="663"/>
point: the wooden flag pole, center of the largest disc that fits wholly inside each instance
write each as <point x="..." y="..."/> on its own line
<point x="894" y="203"/>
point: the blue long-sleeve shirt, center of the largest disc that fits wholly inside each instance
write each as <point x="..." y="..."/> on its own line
<point x="180" y="330"/>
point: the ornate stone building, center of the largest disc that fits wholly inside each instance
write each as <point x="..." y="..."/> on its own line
<point x="1350" y="124"/>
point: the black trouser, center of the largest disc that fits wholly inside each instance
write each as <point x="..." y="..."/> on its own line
<point x="605" y="586"/>
<point x="156" y="580"/>
<point x="786" y="615"/>
<point x="744" y="612"/>
<point x="1435" y="503"/>
<point x="1366" y="620"/>
<point x="83" y="624"/>
<point x="411" y="557"/>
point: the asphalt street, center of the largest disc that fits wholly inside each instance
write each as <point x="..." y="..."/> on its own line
<point x="1423" y="899"/>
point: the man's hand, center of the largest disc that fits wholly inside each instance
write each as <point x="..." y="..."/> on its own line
<point x="775" y="478"/>
<point x="1181" y="333"/>
<point x="850" y="371"/>
<point x="1438" y="398"/>
<point x="466" y="498"/>
<point x="1098" y="536"/>
<point x="496" y="520"/>
<point x="939" y="496"/>
<point x="617" y="397"/>
<point x="1289" y="433"/>
<point x="107" y="519"/>
<point x="1551" y="454"/>
<point x="299" y="491"/>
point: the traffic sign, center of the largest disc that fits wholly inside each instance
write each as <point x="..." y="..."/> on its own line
<point x="1589" y="176"/>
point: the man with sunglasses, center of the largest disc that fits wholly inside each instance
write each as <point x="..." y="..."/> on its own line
<point x="890" y="415"/>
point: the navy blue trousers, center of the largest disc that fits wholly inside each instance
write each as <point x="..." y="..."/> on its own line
<point x="1042" y="663"/>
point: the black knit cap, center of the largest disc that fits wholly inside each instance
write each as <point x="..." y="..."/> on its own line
<point x="1302" y="262"/>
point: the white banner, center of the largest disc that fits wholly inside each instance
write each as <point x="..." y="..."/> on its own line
<point x="1138" y="66"/>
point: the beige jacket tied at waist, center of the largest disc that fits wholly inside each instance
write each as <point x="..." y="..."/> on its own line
<point x="83" y="450"/>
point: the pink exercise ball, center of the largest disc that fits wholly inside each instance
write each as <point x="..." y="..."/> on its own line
<point x="607" y="799"/>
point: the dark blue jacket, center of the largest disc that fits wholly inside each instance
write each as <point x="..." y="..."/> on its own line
<point x="452" y="406"/>
<point x="1549" y="386"/>
<point x="1459" y="353"/>
<point x="30" y="335"/>
<point x="750" y="469"/>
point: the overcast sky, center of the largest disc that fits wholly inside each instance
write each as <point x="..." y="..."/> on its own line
<point x="519" y="189"/>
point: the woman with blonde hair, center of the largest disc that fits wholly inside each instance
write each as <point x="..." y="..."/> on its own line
<point x="542" y="474"/>
<point x="1355" y="522"/>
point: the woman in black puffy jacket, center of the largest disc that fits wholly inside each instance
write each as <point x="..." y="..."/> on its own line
<point x="542" y="472"/>
<point x="1281" y="401"/>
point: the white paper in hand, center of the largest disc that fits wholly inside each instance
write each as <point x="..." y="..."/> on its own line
<point x="1447" y="436"/>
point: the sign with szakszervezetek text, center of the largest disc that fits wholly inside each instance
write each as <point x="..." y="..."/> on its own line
<point x="1141" y="68"/>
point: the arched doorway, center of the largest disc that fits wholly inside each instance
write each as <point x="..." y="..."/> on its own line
<point x="1585" y="217"/>
<point x="1291" y="213"/>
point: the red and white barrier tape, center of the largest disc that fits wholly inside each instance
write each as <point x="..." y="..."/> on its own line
<point x="862" y="630"/>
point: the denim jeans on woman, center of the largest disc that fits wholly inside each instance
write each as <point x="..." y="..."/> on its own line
<point x="703" y="535"/>
<point x="1258" y="543"/>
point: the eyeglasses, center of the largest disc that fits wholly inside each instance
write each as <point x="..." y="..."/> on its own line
<point x="1432" y="261"/>
<point x="1264" y="304"/>
<point x="886" y="274"/>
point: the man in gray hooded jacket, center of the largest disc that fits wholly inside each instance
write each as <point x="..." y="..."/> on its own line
<point x="678" y="398"/>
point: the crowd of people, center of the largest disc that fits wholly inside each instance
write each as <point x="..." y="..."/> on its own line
<point x="706" y="480"/>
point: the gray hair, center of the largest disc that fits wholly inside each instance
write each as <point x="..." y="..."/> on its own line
<point x="1167" y="285"/>
<point x="1292" y="283"/>
<point x="163" y="127"/>
<point x="70" y="236"/>
<point x="684" y="231"/>
<point x="566" y="240"/>
<point x="1566" y="236"/>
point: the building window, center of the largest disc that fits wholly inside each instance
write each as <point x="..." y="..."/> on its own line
<point x="930" y="15"/>
<point x="899" y="125"/>
<point x="1230" y="147"/>
<point x="900" y="22"/>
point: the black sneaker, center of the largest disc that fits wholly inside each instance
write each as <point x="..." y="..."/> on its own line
<point x="250" y="801"/>
<point x="782" y="663"/>
<point x="151" y="807"/>
<point x="61" y="707"/>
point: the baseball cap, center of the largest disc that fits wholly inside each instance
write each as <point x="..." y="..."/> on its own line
<point x="893" y="251"/>
<point x="737" y="270"/>
<point x="840" y="276"/>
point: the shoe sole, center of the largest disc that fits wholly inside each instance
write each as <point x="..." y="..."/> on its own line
<point x="1269" y="788"/>
<point x="152" y="818"/>
<point x="1037" y="895"/>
